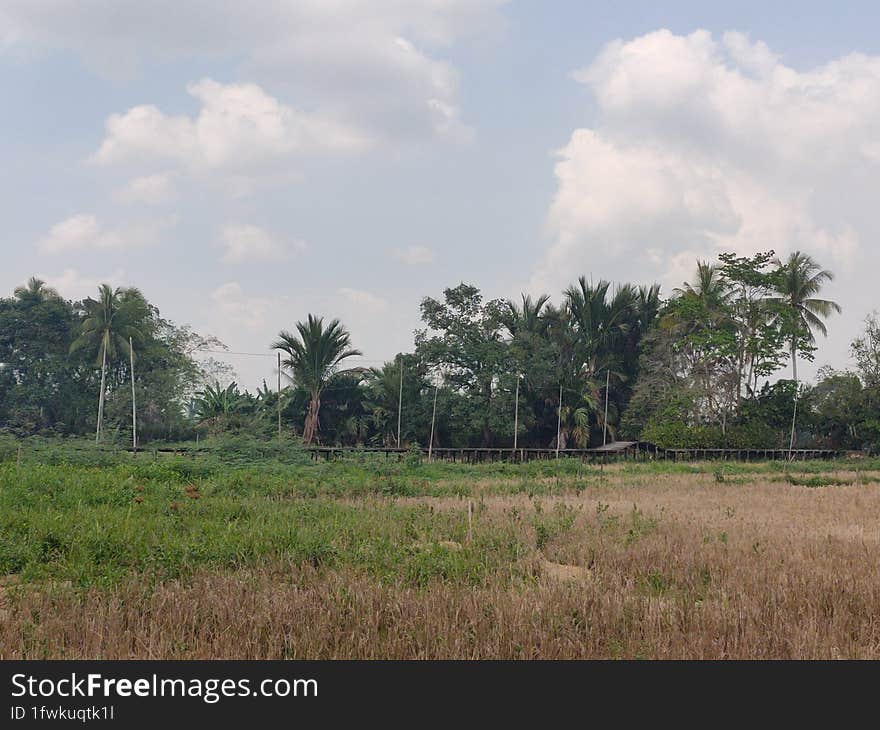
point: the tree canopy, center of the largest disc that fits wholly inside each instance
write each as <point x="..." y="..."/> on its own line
<point x="604" y="361"/>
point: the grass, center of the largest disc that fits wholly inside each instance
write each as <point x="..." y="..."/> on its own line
<point x="227" y="554"/>
<point x="97" y="525"/>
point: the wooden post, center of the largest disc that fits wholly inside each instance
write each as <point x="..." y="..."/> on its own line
<point x="516" y="413"/>
<point x="470" y="533"/>
<point x="134" y="430"/>
<point x="559" y="421"/>
<point x="433" y="416"/>
<point x="605" y="422"/>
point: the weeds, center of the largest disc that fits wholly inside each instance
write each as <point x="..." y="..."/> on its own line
<point x="107" y="555"/>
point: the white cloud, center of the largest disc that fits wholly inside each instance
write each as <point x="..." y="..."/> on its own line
<point x="84" y="231"/>
<point x="73" y="285"/>
<point x="703" y="146"/>
<point x="247" y="242"/>
<point x="78" y="231"/>
<point x="370" y="65"/>
<point x="150" y="189"/>
<point x="364" y="301"/>
<point x="234" y="307"/>
<point x="415" y="255"/>
<point x="239" y="129"/>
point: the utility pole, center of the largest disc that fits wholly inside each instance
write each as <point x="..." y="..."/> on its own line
<point x="99" y="430"/>
<point x="605" y="422"/>
<point x="794" y="410"/>
<point x="399" y="401"/>
<point x="279" y="395"/>
<point x="559" y="422"/>
<point x="134" y="431"/>
<point x="516" y="414"/>
<point x="433" y="416"/>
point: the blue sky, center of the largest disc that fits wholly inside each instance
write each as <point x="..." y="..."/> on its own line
<point x="349" y="158"/>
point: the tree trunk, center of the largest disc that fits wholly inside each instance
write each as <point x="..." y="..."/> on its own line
<point x="310" y="429"/>
<point x="794" y="410"/>
<point x="99" y="428"/>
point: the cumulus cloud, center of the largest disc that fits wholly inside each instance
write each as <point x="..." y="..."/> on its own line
<point x="86" y="232"/>
<point x="236" y="308"/>
<point x="73" y="285"/>
<point x="248" y="242"/>
<point x="364" y="301"/>
<point x="373" y="65"/>
<point x="415" y="255"/>
<point x="704" y="145"/>
<point x="149" y="189"/>
<point x="78" y="231"/>
<point x="239" y="128"/>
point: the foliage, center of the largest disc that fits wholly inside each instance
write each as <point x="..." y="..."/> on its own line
<point x="314" y="355"/>
<point x="608" y="361"/>
<point x="49" y="349"/>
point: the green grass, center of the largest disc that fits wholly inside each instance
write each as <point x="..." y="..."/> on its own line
<point x="72" y="511"/>
<point x="93" y="524"/>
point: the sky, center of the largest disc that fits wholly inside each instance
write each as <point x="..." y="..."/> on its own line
<point x="245" y="164"/>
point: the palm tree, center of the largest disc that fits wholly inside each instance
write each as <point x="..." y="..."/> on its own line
<point x="800" y="279"/>
<point x="576" y="422"/>
<point x="381" y="399"/>
<point x="112" y="320"/>
<point x="708" y="287"/>
<point x="314" y="356"/>
<point x="34" y="292"/>
<point x="215" y="405"/>
<point x="528" y="318"/>
<point x="647" y="304"/>
<point x="600" y="323"/>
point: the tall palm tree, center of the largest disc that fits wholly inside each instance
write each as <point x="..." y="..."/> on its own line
<point x="708" y="286"/>
<point x="34" y="292"/>
<point x="600" y="322"/>
<point x="381" y="400"/>
<point x="527" y="318"/>
<point x="114" y="318"/>
<point x="600" y="325"/>
<point x="314" y="356"/>
<point x="800" y="279"/>
<point x="647" y="305"/>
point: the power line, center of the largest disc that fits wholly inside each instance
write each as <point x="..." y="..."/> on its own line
<point x="266" y="354"/>
<point x="232" y="352"/>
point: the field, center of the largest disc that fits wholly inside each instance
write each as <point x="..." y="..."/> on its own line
<point x="259" y="553"/>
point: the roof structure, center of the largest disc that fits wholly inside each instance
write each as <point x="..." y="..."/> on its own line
<point x="618" y="446"/>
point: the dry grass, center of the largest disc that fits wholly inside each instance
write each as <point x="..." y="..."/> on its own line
<point x="671" y="566"/>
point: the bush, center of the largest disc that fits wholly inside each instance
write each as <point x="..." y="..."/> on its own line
<point x="679" y="435"/>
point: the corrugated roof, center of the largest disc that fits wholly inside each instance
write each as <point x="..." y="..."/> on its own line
<point x="617" y="446"/>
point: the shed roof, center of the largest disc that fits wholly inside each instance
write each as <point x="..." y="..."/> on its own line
<point x="617" y="446"/>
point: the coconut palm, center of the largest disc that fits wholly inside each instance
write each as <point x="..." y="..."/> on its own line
<point x="708" y="285"/>
<point x="800" y="279"/>
<point x="314" y="356"/>
<point x="116" y="317"/>
<point x="34" y="292"/>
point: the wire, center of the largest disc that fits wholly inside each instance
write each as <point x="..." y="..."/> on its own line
<point x="232" y="352"/>
<point x="265" y="354"/>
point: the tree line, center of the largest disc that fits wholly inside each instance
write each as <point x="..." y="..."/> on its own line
<point x="606" y="362"/>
